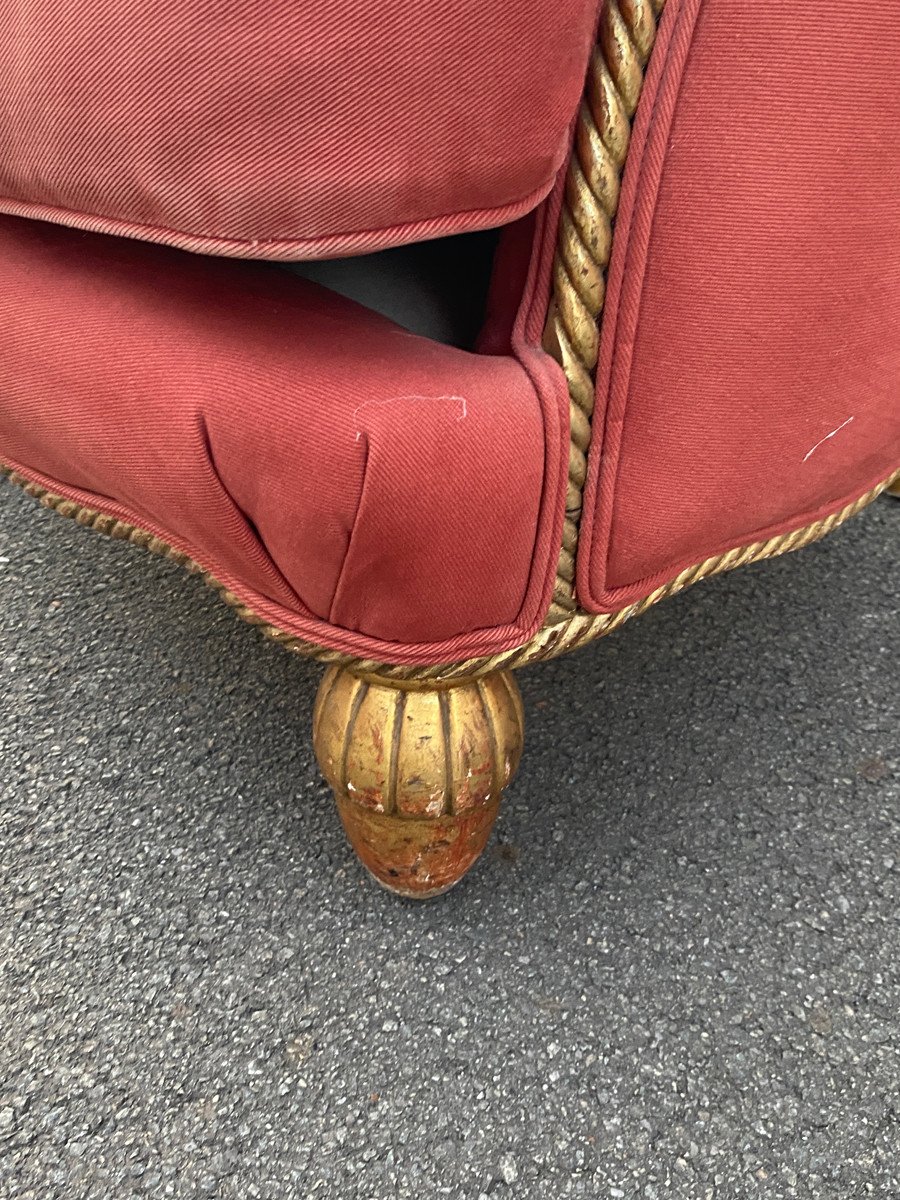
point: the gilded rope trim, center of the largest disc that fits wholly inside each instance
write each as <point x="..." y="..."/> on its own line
<point x="572" y="334"/>
<point x="549" y="641"/>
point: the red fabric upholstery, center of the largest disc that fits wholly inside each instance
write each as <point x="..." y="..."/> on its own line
<point x="749" y="377"/>
<point x="337" y="472"/>
<point x="374" y="491"/>
<point x="286" y="129"/>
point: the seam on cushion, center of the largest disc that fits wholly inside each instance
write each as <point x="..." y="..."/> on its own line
<point x="285" y="247"/>
<point x="601" y="489"/>
<point x="552" y="392"/>
<point x="538" y="390"/>
<point x="548" y="527"/>
<point x="364" y="438"/>
<point x="206" y="438"/>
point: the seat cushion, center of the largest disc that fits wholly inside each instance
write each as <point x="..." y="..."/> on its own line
<point x="358" y="485"/>
<point x="749" y="377"/>
<point x="286" y="129"/>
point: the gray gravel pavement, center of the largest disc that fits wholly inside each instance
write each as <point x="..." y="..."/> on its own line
<point x="675" y="974"/>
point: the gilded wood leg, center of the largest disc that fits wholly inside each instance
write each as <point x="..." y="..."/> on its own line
<point x="417" y="770"/>
<point x="894" y="488"/>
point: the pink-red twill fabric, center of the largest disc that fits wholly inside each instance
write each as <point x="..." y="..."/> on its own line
<point x="286" y="129"/>
<point x="357" y="485"/>
<point x="749" y="376"/>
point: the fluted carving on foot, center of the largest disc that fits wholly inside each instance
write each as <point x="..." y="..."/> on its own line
<point x="417" y="771"/>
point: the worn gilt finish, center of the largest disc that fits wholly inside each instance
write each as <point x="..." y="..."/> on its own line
<point x="417" y="772"/>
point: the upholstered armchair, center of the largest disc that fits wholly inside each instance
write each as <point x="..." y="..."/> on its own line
<point x="688" y="357"/>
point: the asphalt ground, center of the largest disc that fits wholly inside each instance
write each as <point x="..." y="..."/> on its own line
<point x="676" y="972"/>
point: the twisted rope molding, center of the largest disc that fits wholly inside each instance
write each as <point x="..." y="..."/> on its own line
<point x="548" y="642"/>
<point x="613" y="88"/>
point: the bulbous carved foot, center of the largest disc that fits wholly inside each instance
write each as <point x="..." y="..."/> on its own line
<point x="417" y="770"/>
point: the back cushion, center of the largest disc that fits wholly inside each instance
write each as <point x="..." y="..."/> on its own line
<point x="286" y="129"/>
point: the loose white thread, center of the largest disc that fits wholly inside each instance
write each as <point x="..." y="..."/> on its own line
<point x="823" y="440"/>
<point x="461" y="400"/>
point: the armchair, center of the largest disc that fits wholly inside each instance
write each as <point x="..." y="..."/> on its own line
<point x="689" y="359"/>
